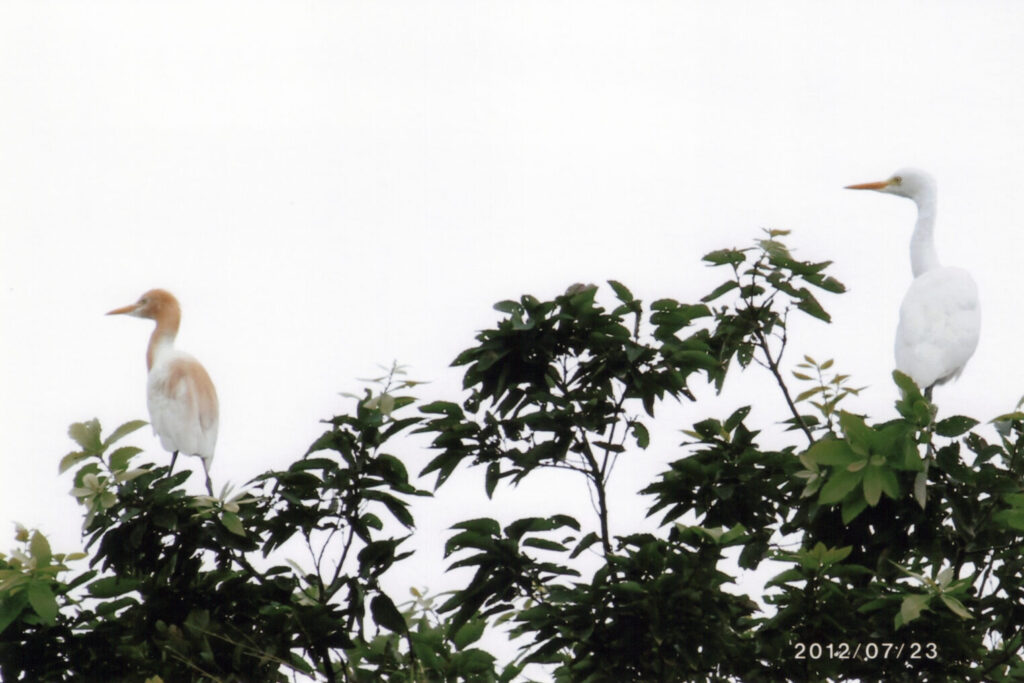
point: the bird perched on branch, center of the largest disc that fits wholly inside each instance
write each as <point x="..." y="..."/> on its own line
<point x="182" y="400"/>
<point x="940" y="317"/>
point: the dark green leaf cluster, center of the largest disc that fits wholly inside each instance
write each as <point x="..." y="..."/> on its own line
<point x="554" y="371"/>
<point x="727" y="481"/>
<point x="768" y="282"/>
<point x="174" y="589"/>
<point x="655" y="611"/>
<point x="558" y="384"/>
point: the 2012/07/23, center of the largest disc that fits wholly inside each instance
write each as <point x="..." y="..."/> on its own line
<point x="867" y="651"/>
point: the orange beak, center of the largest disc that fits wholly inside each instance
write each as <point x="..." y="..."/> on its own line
<point x="880" y="185"/>
<point x="131" y="308"/>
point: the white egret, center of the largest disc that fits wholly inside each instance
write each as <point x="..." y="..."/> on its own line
<point x="182" y="400"/>
<point x="940" y="317"/>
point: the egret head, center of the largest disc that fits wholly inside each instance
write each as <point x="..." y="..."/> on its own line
<point x="153" y="304"/>
<point x="906" y="182"/>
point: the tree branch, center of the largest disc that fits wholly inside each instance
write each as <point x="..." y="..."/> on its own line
<point x="773" y="367"/>
<point x="602" y="502"/>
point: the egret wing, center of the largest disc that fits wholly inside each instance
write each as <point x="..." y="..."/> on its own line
<point x="940" y="320"/>
<point x="183" y="406"/>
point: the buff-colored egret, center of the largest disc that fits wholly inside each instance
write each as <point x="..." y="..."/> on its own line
<point x="181" y="397"/>
<point x="940" y="317"/>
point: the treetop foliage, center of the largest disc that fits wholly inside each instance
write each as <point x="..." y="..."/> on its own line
<point x="895" y="542"/>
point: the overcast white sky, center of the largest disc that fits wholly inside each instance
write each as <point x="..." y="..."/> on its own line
<point x="330" y="185"/>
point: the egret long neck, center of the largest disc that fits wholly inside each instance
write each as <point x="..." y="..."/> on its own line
<point x="163" y="336"/>
<point x="923" y="256"/>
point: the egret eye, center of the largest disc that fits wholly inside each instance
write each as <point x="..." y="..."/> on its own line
<point x="898" y="179"/>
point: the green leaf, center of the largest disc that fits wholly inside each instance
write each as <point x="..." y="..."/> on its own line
<point x="492" y="477"/>
<point x="128" y="475"/>
<point x="873" y="485"/>
<point x="70" y="460"/>
<point x="508" y="307"/>
<point x="443" y="408"/>
<point x="956" y="607"/>
<point x="623" y="294"/>
<point x="39" y="547"/>
<point x="723" y="256"/>
<point x="730" y="537"/>
<point x="526" y="525"/>
<point x="473" y="664"/>
<point x="804" y="395"/>
<point x="629" y="587"/>
<point x="911" y="392"/>
<point x="721" y="289"/>
<point x="584" y="543"/>
<point x="839" y="485"/>
<point x="232" y="523"/>
<point x="921" y="489"/>
<point x="510" y="671"/>
<point x="945" y="577"/>
<point x="482" y="525"/>
<point x="377" y="556"/>
<point x="835" y="555"/>
<point x="640" y="433"/>
<point x="112" y="586"/>
<point x="830" y="284"/>
<point x="11" y="608"/>
<point x="469" y="633"/>
<point x="856" y="431"/>
<point x="519" y="324"/>
<point x="544" y="544"/>
<point x="87" y="435"/>
<point x="786" y="576"/>
<point x="120" y="457"/>
<point x="955" y="425"/>
<point x="398" y="508"/>
<point x="852" y="507"/>
<point x="124" y="430"/>
<point x="1014" y="519"/>
<point x="108" y="608"/>
<point x="808" y="304"/>
<point x="831" y="452"/>
<point x="386" y="614"/>
<point x="736" y="418"/>
<point x="43" y="601"/>
<point x="890" y="484"/>
<point x="812" y="487"/>
<point x="912" y="607"/>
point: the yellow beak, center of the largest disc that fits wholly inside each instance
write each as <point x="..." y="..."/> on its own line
<point x="131" y="308"/>
<point x="880" y="185"/>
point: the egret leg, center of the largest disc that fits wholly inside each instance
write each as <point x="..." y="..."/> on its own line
<point x="174" y="456"/>
<point x="209" y="484"/>
<point x="931" y="421"/>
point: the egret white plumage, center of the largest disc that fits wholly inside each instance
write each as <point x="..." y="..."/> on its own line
<point x="940" y="317"/>
<point x="181" y="398"/>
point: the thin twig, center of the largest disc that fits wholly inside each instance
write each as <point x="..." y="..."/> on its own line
<point x="773" y="366"/>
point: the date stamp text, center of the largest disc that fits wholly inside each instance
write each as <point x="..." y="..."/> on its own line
<point x="866" y="651"/>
